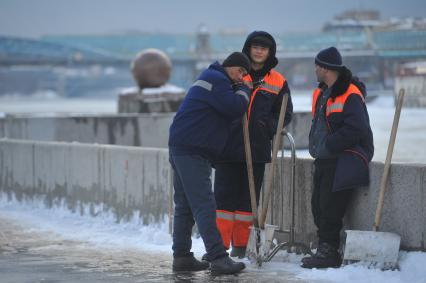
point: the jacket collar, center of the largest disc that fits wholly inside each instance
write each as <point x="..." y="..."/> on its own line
<point x="342" y="83"/>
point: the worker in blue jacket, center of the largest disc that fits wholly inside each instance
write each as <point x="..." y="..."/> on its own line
<point x="197" y="137"/>
<point x="341" y="141"/>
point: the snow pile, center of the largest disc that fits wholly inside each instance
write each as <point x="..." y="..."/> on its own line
<point x="104" y="231"/>
<point x="412" y="270"/>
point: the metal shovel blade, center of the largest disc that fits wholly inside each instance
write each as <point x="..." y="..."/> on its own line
<point x="380" y="248"/>
<point x="259" y="243"/>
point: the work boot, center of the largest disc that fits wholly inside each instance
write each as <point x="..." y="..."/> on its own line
<point x="225" y="265"/>
<point x="326" y="256"/>
<point x="205" y="257"/>
<point x="189" y="263"/>
<point x="239" y="252"/>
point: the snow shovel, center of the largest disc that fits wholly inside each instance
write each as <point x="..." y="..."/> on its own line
<point x="260" y="237"/>
<point x="378" y="248"/>
<point x="255" y="238"/>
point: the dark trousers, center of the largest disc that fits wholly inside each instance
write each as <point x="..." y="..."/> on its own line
<point x="194" y="200"/>
<point x="231" y="188"/>
<point x="328" y="208"/>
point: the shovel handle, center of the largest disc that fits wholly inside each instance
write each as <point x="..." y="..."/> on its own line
<point x="249" y="162"/>
<point x="388" y="159"/>
<point x="276" y="145"/>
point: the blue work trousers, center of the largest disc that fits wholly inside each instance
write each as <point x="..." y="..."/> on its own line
<point x="194" y="200"/>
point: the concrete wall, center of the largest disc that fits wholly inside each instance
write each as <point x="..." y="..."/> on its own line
<point x="130" y="178"/>
<point x="404" y="210"/>
<point x="124" y="179"/>
<point x="147" y="130"/>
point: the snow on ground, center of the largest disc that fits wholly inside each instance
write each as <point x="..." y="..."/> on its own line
<point x="50" y="105"/>
<point x="103" y="231"/>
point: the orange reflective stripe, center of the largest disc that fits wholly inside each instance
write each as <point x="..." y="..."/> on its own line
<point x="223" y="214"/>
<point x="243" y="216"/>
<point x="336" y="105"/>
<point x="315" y="96"/>
<point x="225" y="225"/>
<point x="251" y="103"/>
<point x="273" y="83"/>
<point x="241" y="228"/>
<point x="248" y="79"/>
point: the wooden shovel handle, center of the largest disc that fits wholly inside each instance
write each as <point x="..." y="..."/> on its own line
<point x="249" y="162"/>
<point x="276" y="145"/>
<point x="388" y="159"/>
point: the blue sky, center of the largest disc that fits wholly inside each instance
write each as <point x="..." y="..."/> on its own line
<point x="33" y="18"/>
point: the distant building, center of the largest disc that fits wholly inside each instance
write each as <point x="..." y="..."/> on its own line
<point x="354" y="20"/>
<point x="361" y="20"/>
<point x="203" y="41"/>
<point x="412" y="77"/>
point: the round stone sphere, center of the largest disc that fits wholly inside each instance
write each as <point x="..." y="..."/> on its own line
<point x="151" y="68"/>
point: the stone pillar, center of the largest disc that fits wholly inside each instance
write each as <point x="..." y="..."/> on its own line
<point x="151" y="70"/>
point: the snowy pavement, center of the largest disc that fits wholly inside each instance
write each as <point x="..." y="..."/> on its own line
<point x="55" y="245"/>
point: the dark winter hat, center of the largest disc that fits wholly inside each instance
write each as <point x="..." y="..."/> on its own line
<point x="262" y="41"/>
<point x="237" y="59"/>
<point x="329" y="58"/>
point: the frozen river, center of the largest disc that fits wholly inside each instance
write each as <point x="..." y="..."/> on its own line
<point x="409" y="146"/>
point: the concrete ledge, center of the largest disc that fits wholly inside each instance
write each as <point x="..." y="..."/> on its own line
<point x="404" y="210"/>
<point x="146" y="130"/>
<point x="129" y="179"/>
<point x="126" y="179"/>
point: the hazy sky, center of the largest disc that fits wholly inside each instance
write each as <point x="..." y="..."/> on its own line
<point x="40" y="17"/>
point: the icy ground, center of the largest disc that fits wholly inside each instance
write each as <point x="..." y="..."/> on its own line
<point x="143" y="253"/>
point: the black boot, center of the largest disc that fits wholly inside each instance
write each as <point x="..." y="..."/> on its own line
<point x="326" y="256"/>
<point x="239" y="252"/>
<point x="225" y="265"/>
<point x="189" y="263"/>
<point x="205" y="257"/>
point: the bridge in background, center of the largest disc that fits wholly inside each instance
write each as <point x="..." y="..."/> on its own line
<point x="374" y="56"/>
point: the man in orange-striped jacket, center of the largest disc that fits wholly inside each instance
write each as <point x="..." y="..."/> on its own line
<point x="268" y="87"/>
<point x="341" y="141"/>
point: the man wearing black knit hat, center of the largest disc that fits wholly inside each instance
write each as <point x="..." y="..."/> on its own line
<point x="268" y="88"/>
<point x="197" y="137"/>
<point x="341" y="141"/>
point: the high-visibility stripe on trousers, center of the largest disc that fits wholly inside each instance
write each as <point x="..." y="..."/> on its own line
<point x="225" y="225"/>
<point x="240" y="235"/>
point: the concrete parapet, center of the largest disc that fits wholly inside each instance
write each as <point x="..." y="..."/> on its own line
<point x="146" y="130"/>
<point x="128" y="179"/>
<point x="404" y="210"/>
<point x="124" y="179"/>
<point x="163" y="99"/>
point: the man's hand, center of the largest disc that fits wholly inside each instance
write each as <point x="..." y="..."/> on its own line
<point x="247" y="83"/>
<point x="258" y="83"/>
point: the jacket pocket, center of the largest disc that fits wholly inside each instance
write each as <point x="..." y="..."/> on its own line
<point x="352" y="171"/>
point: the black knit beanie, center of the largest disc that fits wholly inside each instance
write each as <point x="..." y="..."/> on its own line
<point x="237" y="59"/>
<point x="329" y="58"/>
<point x="262" y="41"/>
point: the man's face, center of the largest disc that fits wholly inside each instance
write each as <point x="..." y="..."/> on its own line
<point x="320" y="72"/>
<point x="236" y="73"/>
<point x="258" y="53"/>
